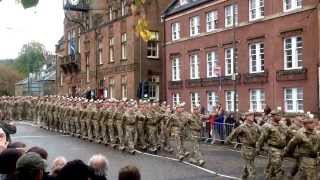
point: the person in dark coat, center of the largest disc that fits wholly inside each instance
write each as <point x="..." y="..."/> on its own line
<point x="8" y="128"/>
<point x="8" y="160"/>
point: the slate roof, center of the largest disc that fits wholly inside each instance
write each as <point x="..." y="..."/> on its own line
<point x="174" y="7"/>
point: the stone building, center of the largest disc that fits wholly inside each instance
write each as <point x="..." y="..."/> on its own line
<point x="102" y="55"/>
<point x="269" y="55"/>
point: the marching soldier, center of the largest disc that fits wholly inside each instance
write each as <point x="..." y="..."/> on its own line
<point x="195" y="131"/>
<point x="106" y="113"/>
<point x="165" y="127"/>
<point x="275" y="135"/>
<point x="307" y="143"/>
<point x="130" y="120"/>
<point x="248" y="134"/>
<point x="82" y="118"/>
<point x="141" y="116"/>
<point x="118" y="117"/>
<point x="111" y="123"/>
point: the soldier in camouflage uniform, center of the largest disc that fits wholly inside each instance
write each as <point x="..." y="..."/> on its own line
<point x="141" y="119"/>
<point x="89" y="123"/>
<point x="118" y="117"/>
<point x="165" y="127"/>
<point x="275" y="135"/>
<point x="307" y="143"/>
<point x="111" y="123"/>
<point x="179" y="122"/>
<point x="106" y="114"/>
<point x="130" y="119"/>
<point x="152" y="119"/>
<point x="96" y="120"/>
<point x="195" y="133"/>
<point x="248" y="134"/>
<point x="82" y="119"/>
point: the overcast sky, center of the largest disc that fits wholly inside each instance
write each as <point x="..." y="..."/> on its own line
<point x="43" y="23"/>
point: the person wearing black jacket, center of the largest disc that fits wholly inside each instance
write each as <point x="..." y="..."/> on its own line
<point x="8" y="128"/>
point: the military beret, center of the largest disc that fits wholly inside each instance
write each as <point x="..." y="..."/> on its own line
<point x="275" y="113"/>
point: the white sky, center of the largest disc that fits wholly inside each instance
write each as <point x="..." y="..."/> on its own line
<point x="43" y="23"/>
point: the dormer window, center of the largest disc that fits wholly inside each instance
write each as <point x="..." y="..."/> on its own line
<point x="183" y="2"/>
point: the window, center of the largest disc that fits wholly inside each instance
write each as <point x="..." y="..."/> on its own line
<point x="293" y="100"/>
<point x="111" y="13"/>
<point x="183" y="2"/>
<point x="176" y="99"/>
<point x="256" y="9"/>
<point x="194" y="67"/>
<point x="230" y="101"/>
<point x="194" y="26"/>
<point x="79" y="40"/>
<point x="111" y="87"/>
<point x="123" y="8"/>
<point x="211" y="64"/>
<point x="154" y="87"/>
<point x="176" y="69"/>
<point x="195" y="99"/>
<point x="124" y="46"/>
<point x="72" y="37"/>
<point x="230" y="56"/>
<point x="175" y="28"/>
<point x="289" y="5"/>
<point x="61" y="78"/>
<point x="293" y="52"/>
<point x="257" y="100"/>
<point x="111" y="50"/>
<point x="212" y="21"/>
<point x="230" y="12"/>
<point x="124" y="88"/>
<point x="212" y="100"/>
<point x="256" y="55"/>
<point x="100" y="51"/>
<point x="153" y="46"/>
<point x="87" y="69"/>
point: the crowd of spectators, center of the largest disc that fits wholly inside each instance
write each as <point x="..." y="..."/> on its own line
<point x="18" y="162"/>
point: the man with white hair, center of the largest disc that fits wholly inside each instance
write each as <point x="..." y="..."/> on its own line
<point x="57" y="165"/>
<point x="3" y="140"/>
<point x="99" y="163"/>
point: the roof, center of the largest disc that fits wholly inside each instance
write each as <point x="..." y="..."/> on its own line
<point x="175" y="7"/>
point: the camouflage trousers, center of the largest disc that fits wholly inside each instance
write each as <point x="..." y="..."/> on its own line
<point x="178" y="134"/>
<point x="89" y="129"/>
<point x="119" y="125"/>
<point x="153" y="141"/>
<point x="164" y="136"/>
<point x="195" y="152"/>
<point x="274" y="167"/>
<point x="77" y="125"/>
<point x="130" y="135"/>
<point x="249" y="169"/>
<point x="141" y="135"/>
<point x="111" y="131"/>
<point x="83" y="130"/>
<point x="308" y="168"/>
<point x="96" y="130"/>
<point x="66" y="125"/>
<point x="104" y="128"/>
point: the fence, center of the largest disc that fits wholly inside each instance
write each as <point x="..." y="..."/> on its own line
<point x="217" y="132"/>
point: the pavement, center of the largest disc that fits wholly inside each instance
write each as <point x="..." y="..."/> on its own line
<point x="222" y="162"/>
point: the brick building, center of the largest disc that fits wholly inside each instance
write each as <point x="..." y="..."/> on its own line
<point x="274" y="44"/>
<point x="102" y="54"/>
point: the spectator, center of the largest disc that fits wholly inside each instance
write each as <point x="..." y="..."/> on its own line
<point x="229" y="123"/>
<point x="129" y="173"/>
<point x="42" y="152"/>
<point x="17" y="145"/>
<point x="8" y="128"/>
<point x="8" y="160"/>
<point x="218" y="126"/>
<point x="30" y="166"/>
<point x="57" y="165"/>
<point x="75" y="170"/>
<point x="3" y="140"/>
<point x="100" y="165"/>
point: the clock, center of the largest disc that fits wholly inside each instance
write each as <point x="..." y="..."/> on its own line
<point x="74" y="2"/>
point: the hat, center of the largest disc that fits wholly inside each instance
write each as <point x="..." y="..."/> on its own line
<point x="31" y="161"/>
<point x="180" y="105"/>
<point x="275" y="113"/>
<point x="308" y="120"/>
<point x="249" y="113"/>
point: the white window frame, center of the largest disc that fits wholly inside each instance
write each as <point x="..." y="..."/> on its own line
<point x="175" y="69"/>
<point x="211" y="64"/>
<point x="257" y="100"/>
<point x="212" y="21"/>
<point x="229" y="15"/>
<point x="195" y="99"/>
<point x="256" y="57"/>
<point x="123" y="7"/>
<point x="229" y="98"/>
<point x="111" y="88"/>
<point x="111" y="49"/>
<point x="124" y="46"/>
<point x="212" y="100"/>
<point x="294" y="4"/>
<point x="230" y="56"/>
<point x="175" y="31"/>
<point x="294" y="51"/>
<point x="194" y="66"/>
<point x="256" y="9"/>
<point x="296" y="99"/>
<point x="176" y="99"/>
<point x="194" y="26"/>
<point x="153" y="45"/>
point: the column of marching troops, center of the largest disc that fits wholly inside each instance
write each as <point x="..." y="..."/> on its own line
<point x="122" y="124"/>
<point x="130" y="125"/>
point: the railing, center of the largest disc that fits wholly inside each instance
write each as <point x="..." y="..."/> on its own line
<point x="71" y="63"/>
